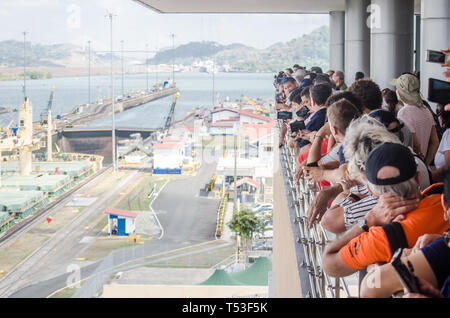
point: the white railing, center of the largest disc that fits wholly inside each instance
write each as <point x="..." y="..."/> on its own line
<point x="312" y="240"/>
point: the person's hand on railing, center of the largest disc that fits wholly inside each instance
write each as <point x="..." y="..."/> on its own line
<point x="317" y="208"/>
<point x="347" y="184"/>
<point x="390" y="208"/>
<point x="306" y="135"/>
<point x="298" y="173"/>
<point x="313" y="173"/>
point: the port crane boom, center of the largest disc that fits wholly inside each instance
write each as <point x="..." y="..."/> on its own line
<point x="170" y="117"/>
<point x="254" y="104"/>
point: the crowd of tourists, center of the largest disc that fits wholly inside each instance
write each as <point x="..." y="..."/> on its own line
<point x="379" y="158"/>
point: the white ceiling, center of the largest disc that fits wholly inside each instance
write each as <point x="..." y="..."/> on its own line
<point x="249" y="6"/>
<point x="244" y="6"/>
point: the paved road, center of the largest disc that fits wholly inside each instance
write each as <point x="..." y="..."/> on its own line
<point x="187" y="219"/>
<point x="184" y="215"/>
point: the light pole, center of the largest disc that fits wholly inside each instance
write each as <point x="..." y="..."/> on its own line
<point x="173" y="58"/>
<point x="146" y="64"/>
<point x="89" y="74"/>
<point x="121" y="42"/>
<point x="214" y="62"/>
<point x="110" y="15"/>
<point x="24" y="65"/>
<point x="156" y="67"/>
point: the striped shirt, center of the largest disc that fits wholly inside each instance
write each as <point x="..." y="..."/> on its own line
<point x="353" y="211"/>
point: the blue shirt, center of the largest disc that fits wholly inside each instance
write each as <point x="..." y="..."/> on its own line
<point x="342" y="159"/>
<point x="316" y="122"/>
<point x="437" y="254"/>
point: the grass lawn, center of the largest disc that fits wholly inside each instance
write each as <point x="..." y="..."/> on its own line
<point x="138" y="200"/>
<point x="10" y="257"/>
<point x="103" y="246"/>
<point x="201" y="260"/>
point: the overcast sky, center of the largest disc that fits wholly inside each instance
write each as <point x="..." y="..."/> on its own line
<point x="77" y="21"/>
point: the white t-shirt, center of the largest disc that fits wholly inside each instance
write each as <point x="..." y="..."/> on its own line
<point x="439" y="158"/>
<point x="332" y="155"/>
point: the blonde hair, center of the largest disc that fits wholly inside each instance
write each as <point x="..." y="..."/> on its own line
<point x="363" y="135"/>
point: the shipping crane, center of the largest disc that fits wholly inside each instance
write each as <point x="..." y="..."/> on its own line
<point x="7" y="131"/>
<point x="254" y="104"/>
<point x="49" y="123"/>
<point x="170" y="117"/>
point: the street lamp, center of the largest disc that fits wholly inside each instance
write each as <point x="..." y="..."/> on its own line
<point x="110" y="15"/>
<point x="121" y="42"/>
<point x="173" y="58"/>
<point x="89" y="73"/>
<point x="24" y="65"/>
<point x="146" y="64"/>
<point x="156" y="66"/>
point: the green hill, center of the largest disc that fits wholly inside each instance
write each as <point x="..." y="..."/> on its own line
<point x="308" y="50"/>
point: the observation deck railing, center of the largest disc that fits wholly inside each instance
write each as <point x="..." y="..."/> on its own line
<point x="310" y="243"/>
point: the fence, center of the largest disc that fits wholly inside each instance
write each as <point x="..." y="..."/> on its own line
<point x="221" y="215"/>
<point x="312" y="241"/>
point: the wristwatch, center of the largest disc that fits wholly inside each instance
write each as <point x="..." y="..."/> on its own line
<point x="362" y="224"/>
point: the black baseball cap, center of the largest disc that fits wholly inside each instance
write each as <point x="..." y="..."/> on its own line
<point x="394" y="155"/>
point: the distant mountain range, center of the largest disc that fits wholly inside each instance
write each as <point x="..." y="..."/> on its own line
<point x="308" y="50"/>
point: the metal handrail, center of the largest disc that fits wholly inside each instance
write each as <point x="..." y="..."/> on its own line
<point x="312" y="240"/>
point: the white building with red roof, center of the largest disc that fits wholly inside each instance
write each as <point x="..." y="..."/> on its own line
<point x="168" y="158"/>
<point x="223" y="120"/>
<point x="183" y="140"/>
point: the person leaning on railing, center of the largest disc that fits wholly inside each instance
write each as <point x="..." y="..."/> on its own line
<point x="369" y="96"/>
<point x="288" y="84"/>
<point x="362" y="136"/>
<point x="430" y="258"/>
<point x="390" y="168"/>
<point x="331" y="167"/>
<point x="319" y="94"/>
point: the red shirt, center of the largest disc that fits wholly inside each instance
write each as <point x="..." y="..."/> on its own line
<point x="323" y="151"/>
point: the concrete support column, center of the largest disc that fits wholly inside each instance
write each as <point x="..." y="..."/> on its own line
<point x="435" y="35"/>
<point x="417" y="49"/>
<point x="357" y="39"/>
<point x="337" y="40"/>
<point x="392" y="39"/>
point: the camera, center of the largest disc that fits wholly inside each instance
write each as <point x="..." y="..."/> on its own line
<point x="302" y="112"/>
<point x="435" y="57"/>
<point x="279" y="77"/>
<point x="284" y="115"/>
<point x="297" y="125"/>
<point x="438" y="91"/>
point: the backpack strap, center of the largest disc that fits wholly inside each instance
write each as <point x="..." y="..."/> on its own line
<point x="396" y="236"/>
